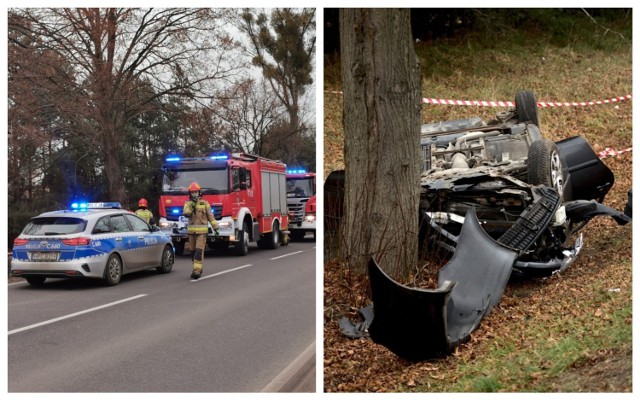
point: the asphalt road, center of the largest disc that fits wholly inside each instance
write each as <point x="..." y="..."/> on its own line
<point x="247" y="325"/>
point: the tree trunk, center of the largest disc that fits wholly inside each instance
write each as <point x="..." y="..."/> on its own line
<point x="381" y="83"/>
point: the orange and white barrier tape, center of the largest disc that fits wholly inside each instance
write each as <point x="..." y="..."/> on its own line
<point x="541" y="104"/>
<point x="609" y="152"/>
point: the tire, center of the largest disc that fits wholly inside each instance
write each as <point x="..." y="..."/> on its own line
<point x="113" y="270"/>
<point x="544" y="165"/>
<point x="527" y="107"/>
<point x="273" y="238"/>
<point x="166" y="262"/>
<point x="36" y="280"/>
<point x="179" y="247"/>
<point x="241" y="248"/>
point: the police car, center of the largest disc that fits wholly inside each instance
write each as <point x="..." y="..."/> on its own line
<point x="90" y="240"/>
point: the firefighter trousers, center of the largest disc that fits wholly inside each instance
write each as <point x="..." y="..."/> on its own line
<point x="197" y="243"/>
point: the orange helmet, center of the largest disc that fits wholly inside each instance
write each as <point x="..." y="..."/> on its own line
<point x="194" y="187"/>
<point x="143" y="203"/>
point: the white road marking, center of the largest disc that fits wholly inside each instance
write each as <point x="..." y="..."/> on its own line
<point x="286" y="255"/>
<point x="223" y="272"/>
<point x="74" y="314"/>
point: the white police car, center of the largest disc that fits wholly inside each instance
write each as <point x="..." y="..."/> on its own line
<point x="91" y="240"/>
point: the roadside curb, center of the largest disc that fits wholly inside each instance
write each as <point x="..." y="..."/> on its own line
<point x="289" y="378"/>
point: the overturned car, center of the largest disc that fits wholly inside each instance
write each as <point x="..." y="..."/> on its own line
<point x="501" y="200"/>
<point x="530" y="194"/>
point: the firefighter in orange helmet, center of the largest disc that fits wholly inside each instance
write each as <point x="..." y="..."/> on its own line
<point x="199" y="213"/>
<point x="144" y="213"/>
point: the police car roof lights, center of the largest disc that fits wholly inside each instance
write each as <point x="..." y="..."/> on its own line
<point x="172" y="159"/>
<point x="221" y="156"/>
<point x="86" y="206"/>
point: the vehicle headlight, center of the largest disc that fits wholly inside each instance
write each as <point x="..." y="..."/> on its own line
<point x="310" y="218"/>
<point x="225" y="225"/>
<point x="164" y="225"/>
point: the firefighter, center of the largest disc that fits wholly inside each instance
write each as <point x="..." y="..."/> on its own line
<point x="199" y="213"/>
<point x="144" y="213"/>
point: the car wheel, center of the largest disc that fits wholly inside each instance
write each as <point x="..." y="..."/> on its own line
<point x="544" y="165"/>
<point x="273" y="237"/>
<point x="242" y="245"/>
<point x="113" y="270"/>
<point x="179" y="247"/>
<point x="166" y="263"/>
<point x="527" y="107"/>
<point x="35" y="280"/>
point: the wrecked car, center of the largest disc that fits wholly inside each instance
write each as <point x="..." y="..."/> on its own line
<point x="501" y="200"/>
<point x="529" y="193"/>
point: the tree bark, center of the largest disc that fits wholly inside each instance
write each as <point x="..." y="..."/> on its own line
<point x="381" y="84"/>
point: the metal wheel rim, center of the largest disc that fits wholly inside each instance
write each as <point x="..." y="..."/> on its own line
<point x="114" y="269"/>
<point x="166" y="260"/>
<point x="556" y="172"/>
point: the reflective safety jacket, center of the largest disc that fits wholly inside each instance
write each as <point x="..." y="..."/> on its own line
<point x="145" y="214"/>
<point x="199" y="213"/>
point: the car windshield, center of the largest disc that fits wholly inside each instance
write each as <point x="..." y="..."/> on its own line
<point x="54" y="226"/>
<point x="212" y="181"/>
<point x="301" y="187"/>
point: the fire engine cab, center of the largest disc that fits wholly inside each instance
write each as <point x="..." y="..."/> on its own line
<point x="247" y="194"/>
<point x="301" y="200"/>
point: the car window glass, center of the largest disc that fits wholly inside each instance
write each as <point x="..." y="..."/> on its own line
<point x="102" y="226"/>
<point x="137" y="224"/>
<point x="119" y="224"/>
<point x="54" y="226"/>
<point x="235" y="179"/>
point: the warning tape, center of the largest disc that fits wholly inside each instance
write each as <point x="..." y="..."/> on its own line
<point x="542" y="104"/>
<point x="609" y="152"/>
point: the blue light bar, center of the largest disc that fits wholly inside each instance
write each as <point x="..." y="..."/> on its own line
<point x="74" y="206"/>
<point x="296" y="171"/>
<point x="175" y="211"/>
<point x="219" y="157"/>
<point x="172" y="159"/>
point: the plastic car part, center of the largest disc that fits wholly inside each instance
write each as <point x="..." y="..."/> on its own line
<point x="587" y="177"/>
<point x="359" y="329"/>
<point x="418" y="324"/>
<point x="585" y="210"/>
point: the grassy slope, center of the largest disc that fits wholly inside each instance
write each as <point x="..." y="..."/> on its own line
<point x="570" y="332"/>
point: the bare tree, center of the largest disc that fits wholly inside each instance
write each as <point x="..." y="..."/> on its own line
<point x="92" y="66"/>
<point x="283" y="46"/>
<point x="246" y="112"/>
<point x="382" y="132"/>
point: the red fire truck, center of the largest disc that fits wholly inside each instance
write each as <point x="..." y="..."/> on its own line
<point x="301" y="201"/>
<point x="247" y="194"/>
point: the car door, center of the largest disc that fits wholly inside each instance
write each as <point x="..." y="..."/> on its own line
<point x="126" y="242"/>
<point x="150" y="247"/>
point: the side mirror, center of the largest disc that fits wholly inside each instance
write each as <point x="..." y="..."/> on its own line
<point x="154" y="228"/>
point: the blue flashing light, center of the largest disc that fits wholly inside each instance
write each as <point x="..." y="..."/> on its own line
<point x="79" y="206"/>
<point x="219" y="157"/>
<point x="175" y="211"/>
<point x="296" y="171"/>
<point x="172" y="159"/>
